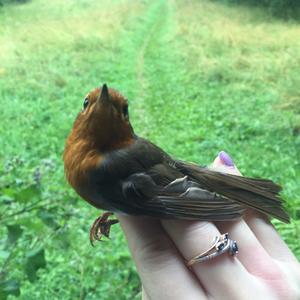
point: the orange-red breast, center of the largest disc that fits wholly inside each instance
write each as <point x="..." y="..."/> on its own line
<point x="113" y="169"/>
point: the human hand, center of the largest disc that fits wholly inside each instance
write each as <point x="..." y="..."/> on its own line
<point x="264" y="268"/>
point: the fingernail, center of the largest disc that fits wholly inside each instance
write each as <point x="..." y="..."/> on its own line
<point x="226" y="159"/>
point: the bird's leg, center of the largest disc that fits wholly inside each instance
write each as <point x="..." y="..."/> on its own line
<point x="101" y="226"/>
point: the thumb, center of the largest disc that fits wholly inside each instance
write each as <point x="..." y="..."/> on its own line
<point x="224" y="163"/>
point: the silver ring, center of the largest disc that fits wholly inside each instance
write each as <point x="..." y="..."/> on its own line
<point x="220" y="245"/>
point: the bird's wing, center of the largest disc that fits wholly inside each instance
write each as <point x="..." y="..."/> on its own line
<point x="182" y="199"/>
<point x="147" y="176"/>
<point x="200" y="193"/>
<point x="156" y="187"/>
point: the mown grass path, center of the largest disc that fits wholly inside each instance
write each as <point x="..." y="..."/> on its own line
<point x="200" y="77"/>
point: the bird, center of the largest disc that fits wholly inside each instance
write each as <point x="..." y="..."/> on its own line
<point x="115" y="170"/>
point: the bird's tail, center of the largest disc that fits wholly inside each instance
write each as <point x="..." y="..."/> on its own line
<point x="259" y="194"/>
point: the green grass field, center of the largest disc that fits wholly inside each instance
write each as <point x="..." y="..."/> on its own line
<point x="200" y="77"/>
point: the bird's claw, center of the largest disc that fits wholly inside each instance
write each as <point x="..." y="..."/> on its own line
<point x="101" y="226"/>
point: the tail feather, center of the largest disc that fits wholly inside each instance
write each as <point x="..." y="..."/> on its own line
<point x="260" y="194"/>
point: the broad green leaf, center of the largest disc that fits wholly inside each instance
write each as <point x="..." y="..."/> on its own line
<point x="13" y="234"/>
<point x="32" y="224"/>
<point x="35" y="260"/>
<point x="4" y="254"/>
<point x="7" y="195"/>
<point x="63" y="239"/>
<point x="9" y="287"/>
<point x="28" y="194"/>
<point x="48" y="218"/>
<point x="8" y="192"/>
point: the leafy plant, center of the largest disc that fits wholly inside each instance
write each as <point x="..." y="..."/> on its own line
<point x="282" y="8"/>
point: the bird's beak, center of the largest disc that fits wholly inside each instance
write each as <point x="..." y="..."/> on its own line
<point x="104" y="96"/>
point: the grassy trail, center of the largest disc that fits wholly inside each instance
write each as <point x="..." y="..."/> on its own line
<point x="200" y="77"/>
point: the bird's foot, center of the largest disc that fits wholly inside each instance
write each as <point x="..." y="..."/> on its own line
<point x="101" y="226"/>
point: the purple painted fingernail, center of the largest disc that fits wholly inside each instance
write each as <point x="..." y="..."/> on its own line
<point x="226" y="159"/>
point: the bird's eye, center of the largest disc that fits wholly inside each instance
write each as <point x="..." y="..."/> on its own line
<point x="125" y="111"/>
<point x="85" y="103"/>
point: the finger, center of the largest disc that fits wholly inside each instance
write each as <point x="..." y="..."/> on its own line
<point x="251" y="254"/>
<point x="219" y="164"/>
<point x="257" y="260"/>
<point x="268" y="237"/>
<point x="257" y="222"/>
<point x="217" y="275"/>
<point x="144" y="295"/>
<point x="238" y="230"/>
<point x="160" y="266"/>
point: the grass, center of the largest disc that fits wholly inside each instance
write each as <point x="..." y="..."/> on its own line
<point x="201" y="77"/>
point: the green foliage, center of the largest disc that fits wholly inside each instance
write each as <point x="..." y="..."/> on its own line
<point x="8" y="2"/>
<point x="197" y="84"/>
<point x="35" y="260"/>
<point x="14" y="232"/>
<point x="282" y="8"/>
<point x="9" y="287"/>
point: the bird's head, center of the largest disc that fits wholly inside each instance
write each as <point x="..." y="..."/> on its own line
<point x="104" y="119"/>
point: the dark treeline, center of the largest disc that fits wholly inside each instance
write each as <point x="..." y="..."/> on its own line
<point x="280" y="8"/>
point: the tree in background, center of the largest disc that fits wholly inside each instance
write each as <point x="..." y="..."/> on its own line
<point x="281" y="8"/>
